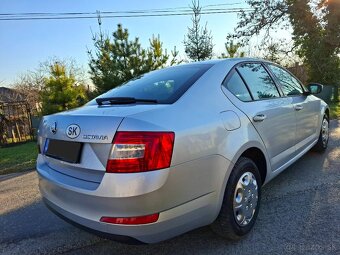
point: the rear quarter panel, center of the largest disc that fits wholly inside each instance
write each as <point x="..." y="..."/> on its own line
<point x="200" y="132"/>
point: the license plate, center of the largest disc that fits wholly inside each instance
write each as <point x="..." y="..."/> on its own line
<point x="63" y="150"/>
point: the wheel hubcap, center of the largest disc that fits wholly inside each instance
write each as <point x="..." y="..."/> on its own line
<point x="245" y="199"/>
<point x="324" y="132"/>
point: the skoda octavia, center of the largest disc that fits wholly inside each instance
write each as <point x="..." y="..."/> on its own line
<point x="179" y="148"/>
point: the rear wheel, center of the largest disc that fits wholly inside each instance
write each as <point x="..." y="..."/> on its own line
<point x="241" y="201"/>
<point x="322" y="143"/>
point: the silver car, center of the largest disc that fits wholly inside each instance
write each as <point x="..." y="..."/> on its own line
<point x="179" y="148"/>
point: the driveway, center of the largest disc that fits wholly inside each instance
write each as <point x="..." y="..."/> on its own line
<point x="300" y="214"/>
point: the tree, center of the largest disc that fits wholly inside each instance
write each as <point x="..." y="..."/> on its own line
<point x="30" y="84"/>
<point x="174" y="59"/>
<point x="33" y="82"/>
<point x="316" y="32"/>
<point x="273" y="52"/>
<point x="198" y="41"/>
<point x="120" y="59"/>
<point x="61" y="90"/>
<point x="318" y="38"/>
<point x="232" y="50"/>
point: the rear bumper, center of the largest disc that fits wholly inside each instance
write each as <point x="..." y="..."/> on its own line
<point x="186" y="196"/>
<point x="171" y="223"/>
<point x="118" y="238"/>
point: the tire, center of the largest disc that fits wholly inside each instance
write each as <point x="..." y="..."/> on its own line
<point x="322" y="143"/>
<point x="227" y="224"/>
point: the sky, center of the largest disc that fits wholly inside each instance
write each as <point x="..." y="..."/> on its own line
<point x="25" y="44"/>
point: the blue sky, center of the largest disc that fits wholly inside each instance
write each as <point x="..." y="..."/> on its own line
<point x="24" y="44"/>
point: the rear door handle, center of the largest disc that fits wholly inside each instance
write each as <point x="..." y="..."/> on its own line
<point x="259" y="117"/>
<point x="298" y="107"/>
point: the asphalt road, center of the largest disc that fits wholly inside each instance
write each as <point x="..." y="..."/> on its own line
<point x="300" y="214"/>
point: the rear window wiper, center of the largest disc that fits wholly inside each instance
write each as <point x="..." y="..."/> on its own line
<point x="123" y="100"/>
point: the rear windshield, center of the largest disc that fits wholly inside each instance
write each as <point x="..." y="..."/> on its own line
<point x="165" y="85"/>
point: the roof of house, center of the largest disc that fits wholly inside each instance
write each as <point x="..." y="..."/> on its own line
<point x="10" y="95"/>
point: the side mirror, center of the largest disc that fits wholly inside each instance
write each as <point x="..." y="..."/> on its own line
<point x="314" y="88"/>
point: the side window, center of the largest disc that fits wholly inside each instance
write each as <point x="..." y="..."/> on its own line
<point x="236" y="86"/>
<point x="289" y="84"/>
<point x="258" y="80"/>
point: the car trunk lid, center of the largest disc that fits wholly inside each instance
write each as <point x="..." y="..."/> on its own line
<point x="93" y="128"/>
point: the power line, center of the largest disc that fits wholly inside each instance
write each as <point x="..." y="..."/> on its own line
<point x="116" y="16"/>
<point x="173" y="11"/>
<point x="103" y="15"/>
<point x="169" y="9"/>
<point x="112" y="12"/>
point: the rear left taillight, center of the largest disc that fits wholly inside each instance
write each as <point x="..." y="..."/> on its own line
<point x="140" y="151"/>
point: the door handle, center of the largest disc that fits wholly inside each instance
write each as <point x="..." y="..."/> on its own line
<point x="259" y="117"/>
<point x="298" y="107"/>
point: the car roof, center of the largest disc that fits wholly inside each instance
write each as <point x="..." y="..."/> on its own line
<point x="217" y="61"/>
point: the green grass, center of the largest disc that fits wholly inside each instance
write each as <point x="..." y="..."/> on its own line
<point x="334" y="110"/>
<point x="18" y="157"/>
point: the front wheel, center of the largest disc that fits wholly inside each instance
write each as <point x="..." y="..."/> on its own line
<point x="241" y="201"/>
<point x="322" y="143"/>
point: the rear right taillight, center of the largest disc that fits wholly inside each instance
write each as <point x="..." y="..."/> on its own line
<point x="140" y="151"/>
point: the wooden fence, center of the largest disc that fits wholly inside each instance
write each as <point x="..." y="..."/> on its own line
<point x="15" y="123"/>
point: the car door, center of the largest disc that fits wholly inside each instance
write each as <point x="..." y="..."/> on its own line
<point x="307" y="108"/>
<point x="256" y="94"/>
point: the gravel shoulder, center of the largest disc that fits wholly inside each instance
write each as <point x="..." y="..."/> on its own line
<point x="299" y="215"/>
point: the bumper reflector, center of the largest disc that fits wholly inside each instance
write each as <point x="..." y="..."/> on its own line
<point x="131" y="220"/>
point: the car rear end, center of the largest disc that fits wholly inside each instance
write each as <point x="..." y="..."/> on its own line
<point x="104" y="168"/>
<point x="119" y="183"/>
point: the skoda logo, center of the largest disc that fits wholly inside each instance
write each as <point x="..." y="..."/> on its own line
<point x="73" y="131"/>
<point x="53" y="128"/>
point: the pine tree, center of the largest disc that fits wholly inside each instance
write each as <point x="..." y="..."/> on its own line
<point x="198" y="41"/>
<point x="232" y="50"/>
<point x="120" y="59"/>
<point x="61" y="91"/>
